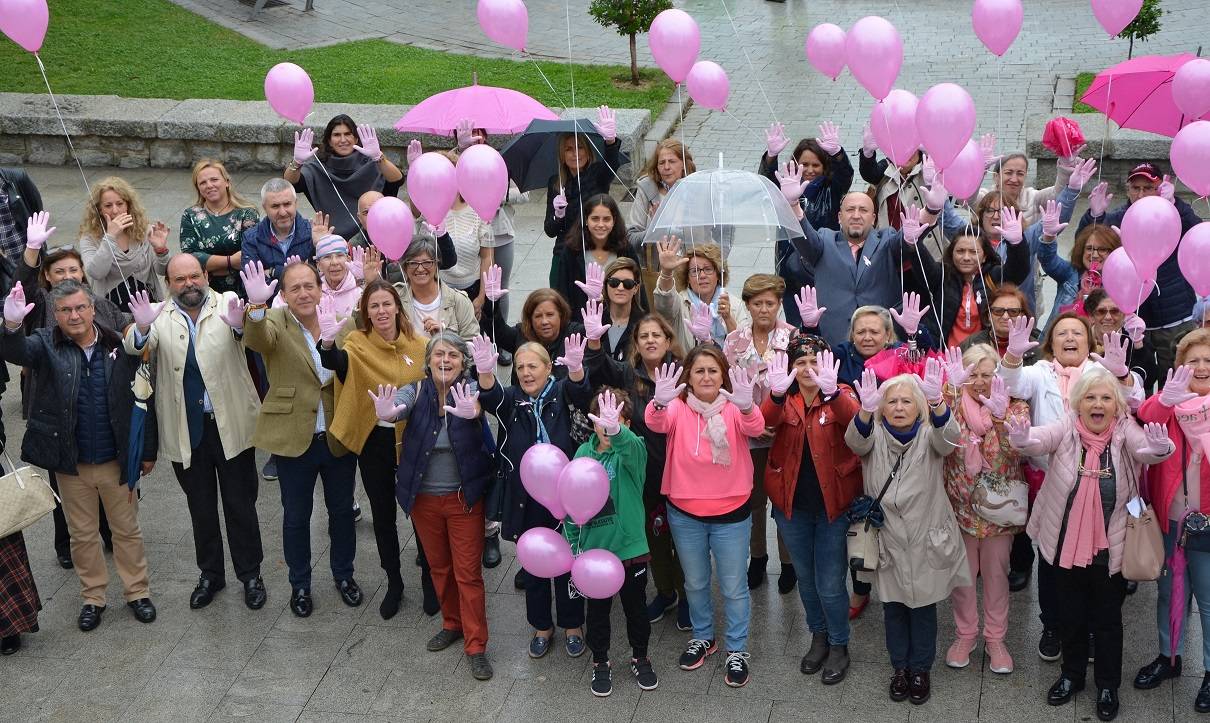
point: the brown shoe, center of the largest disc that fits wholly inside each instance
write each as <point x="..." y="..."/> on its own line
<point x="918" y="688"/>
<point x="899" y="685"/>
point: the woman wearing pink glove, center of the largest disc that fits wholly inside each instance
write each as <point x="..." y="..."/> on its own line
<point x="670" y="162"/>
<point x="707" y="411"/>
<point x="1096" y="454"/>
<point x="696" y="282"/>
<point x="1080" y="274"/>
<point x="600" y="239"/>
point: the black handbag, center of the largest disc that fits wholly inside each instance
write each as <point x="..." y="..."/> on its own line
<point x="1195" y="526"/>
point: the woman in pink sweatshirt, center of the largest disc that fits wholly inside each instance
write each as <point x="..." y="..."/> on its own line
<point x="708" y="413"/>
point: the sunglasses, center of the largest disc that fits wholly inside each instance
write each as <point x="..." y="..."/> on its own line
<point x="1002" y="311"/>
<point x="627" y="284"/>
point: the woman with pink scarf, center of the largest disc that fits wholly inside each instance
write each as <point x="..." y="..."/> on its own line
<point x="1096" y="454"/>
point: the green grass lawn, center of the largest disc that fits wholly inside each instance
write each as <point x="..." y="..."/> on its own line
<point x="154" y="49"/>
<point x="1083" y="80"/>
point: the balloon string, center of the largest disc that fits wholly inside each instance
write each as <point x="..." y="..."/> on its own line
<point x="740" y="123"/>
<point x="66" y="135"/>
<point x="538" y="67"/>
<point x="744" y="47"/>
<point x="680" y="110"/>
<point x="340" y="198"/>
<point x="1108" y="108"/>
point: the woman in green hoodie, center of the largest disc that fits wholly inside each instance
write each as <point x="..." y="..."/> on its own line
<point x="618" y="527"/>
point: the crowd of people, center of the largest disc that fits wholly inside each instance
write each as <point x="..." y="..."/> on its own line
<point x="894" y="387"/>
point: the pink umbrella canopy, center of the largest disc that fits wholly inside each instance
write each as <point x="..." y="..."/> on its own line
<point x="496" y="110"/>
<point x="1138" y="94"/>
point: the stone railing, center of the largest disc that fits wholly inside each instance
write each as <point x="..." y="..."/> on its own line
<point x="246" y="135"/>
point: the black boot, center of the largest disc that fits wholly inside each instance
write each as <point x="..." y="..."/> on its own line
<point x="431" y="604"/>
<point x="788" y="579"/>
<point x="1202" y="703"/>
<point x="392" y="597"/>
<point x="756" y="571"/>
<point x="491" y="551"/>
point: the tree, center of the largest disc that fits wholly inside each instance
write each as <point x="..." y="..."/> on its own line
<point x="1144" y="25"/>
<point x="629" y="17"/>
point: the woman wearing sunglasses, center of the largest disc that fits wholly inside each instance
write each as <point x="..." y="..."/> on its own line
<point x="1004" y="304"/>
<point x="623" y="308"/>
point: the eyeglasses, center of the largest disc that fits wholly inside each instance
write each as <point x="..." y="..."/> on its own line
<point x="702" y="271"/>
<point x="70" y="311"/>
<point x="1107" y="312"/>
<point x="991" y="212"/>
<point x="418" y="265"/>
<point x="1004" y="311"/>
<point x="627" y="284"/>
<point x="1098" y="250"/>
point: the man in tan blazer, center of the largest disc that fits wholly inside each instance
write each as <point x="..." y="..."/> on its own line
<point x="207" y="405"/>
<point x="293" y="424"/>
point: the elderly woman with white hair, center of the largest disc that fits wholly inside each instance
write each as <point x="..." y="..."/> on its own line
<point x="903" y="434"/>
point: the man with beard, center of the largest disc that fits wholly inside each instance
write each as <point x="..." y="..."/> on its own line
<point x="207" y="408"/>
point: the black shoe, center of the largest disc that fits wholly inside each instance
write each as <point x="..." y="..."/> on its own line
<point x="696" y="653"/>
<point x="1156" y="672"/>
<point x="64" y="559"/>
<point x="1050" y="647"/>
<point x="269" y="471"/>
<point x="519" y="580"/>
<point x="659" y="605"/>
<point x="602" y="681"/>
<point x="644" y="674"/>
<point x="1201" y="703"/>
<point x="10" y="645"/>
<point x="349" y="592"/>
<point x="1092" y="648"/>
<point x="255" y="594"/>
<point x="300" y="603"/>
<point x="899" y="686"/>
<point x="1107" y="704"/>
<point x="392" y="598"/>
<point x="491" y="551"/>
<point x="143" y="610"/>
<point x="431" y="603"/>
<point x="788" y="579"/>
<point x="836" y="666"/>
<point x="1131" y="587"/>
<point x="813" y="660"/>
<point x="480" y="668"/>
<point x="1018" y="580"/>
<point x="1063" y="690"/>
<point x="738" y="672"/>
<point x="90" y="617"/>
<point x="203" y="594"/>
<point x="442" y="640"/>
<point x="756" y="571"/>
<point x="919" y="688"/>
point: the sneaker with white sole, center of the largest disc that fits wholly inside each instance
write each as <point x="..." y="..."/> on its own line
<point x="602" y="682"/>
<point x="737" y="669"/>
<point x="644" y="674"/>
<point x="959" y="654"/>
<point x="998" y="658"/>
<point x="696" y="653"/>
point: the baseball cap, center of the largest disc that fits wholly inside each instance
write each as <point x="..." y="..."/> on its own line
<point x="1148" y="170"/>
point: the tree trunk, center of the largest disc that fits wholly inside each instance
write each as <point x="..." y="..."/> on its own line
<point x="634" y="61"/>
<point x="1130" y="52"/>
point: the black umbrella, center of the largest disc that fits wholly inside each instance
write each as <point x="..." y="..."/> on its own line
<point x="533" y="156"/>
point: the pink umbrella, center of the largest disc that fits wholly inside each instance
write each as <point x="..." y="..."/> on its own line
<point x="496" y="110"/>
<point x="1138" y="94"/>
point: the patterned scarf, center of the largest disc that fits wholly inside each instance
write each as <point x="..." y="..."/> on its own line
<point x="716" y="427"/>
<point x="535" y="405"/>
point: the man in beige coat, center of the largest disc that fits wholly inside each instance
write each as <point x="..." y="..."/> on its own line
<point x="207" y="405"/>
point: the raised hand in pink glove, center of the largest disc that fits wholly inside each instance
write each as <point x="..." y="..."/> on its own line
<point x="357" y="263"/>
<point x="1051" y="227"/>
<point x="1135" y="328"/>
<point x="932" y="381"/>
<point x="415" y="151"/>
<point x="15" y="308"/>
<point x="36" y="232"/>
<point x="997" y="403"/>
<point x="825" y="373"/>
<point x="789" y="179"/>
<point x="143" y="311"/>
<point x="1156" y="439"/>
<point x="1018" y="431"/>
<point x="911" y="315"/>
<point x="741" y="389"/>
<point x="573" y="353"/>
<point x="1081" y="174"/>
<point x="465" y="133"/>
<point x="775" y="140"/>
<point x="869" y="392"/>
<point x="385" y="407"/>
<point x="987" y="147"/>
<point x="1069" y="163"/>
<point x="1098" y="200"/>
<point x="869" y="144"/>
<point x="594" y="310"/>
<point x="911" y="224"/>
<point x="293" y="259"/>
<point x="559" y="203"/>
<point x="1019" y="332"/>
<point x="492" y="282"/>
<point x="1176" y="388"/>
<point x="1010" y="225"/>
<point x="1115" y="354"/>
<point x="466" y="401"/>
<point x="701" y="323"/>
<point x="808" y="307"/>
<point x="369" y="143"/>
<point x="594" y="281"/>
<point x="956" y="373"/>
<point x="928" y="170"/>
<point x="607" y="124"/>
<point x="304" y="147"/>
<point x="234" y="315"/>
<point x="483" y="352"/>
<point x="666" y="388"/>
<point x="829" y="138"/>
<point x="610" y="418"/>
<point x="779" y="375"/>
<point x="258" y="290"/>
<point x="329" y="321"/>
<point x="935" y="195"/>
<point x="1167" y="190"/>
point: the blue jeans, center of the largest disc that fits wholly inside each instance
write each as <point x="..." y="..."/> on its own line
<point x="695" y="542"/>
<point x="296" y="476"/>
<point x="911" y="636"/>
<point x="1197" y="583"/>
<point x="818" y="549"/>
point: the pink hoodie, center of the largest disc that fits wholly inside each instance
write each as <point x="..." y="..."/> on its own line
<point x="692" y="481"/>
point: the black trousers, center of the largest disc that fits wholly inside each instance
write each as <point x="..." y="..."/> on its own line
<point x="569" y="613"/>
<point x="62" y="535"/>
<point x="634" y="604"/>
<point x="911" y="636"/>
<point x="1050" y="602"/>
<point x="1092" y="603"/>
<point x="377" y="463"/>
<point x="211" y="475"/>
<point x="1021" y="559"/>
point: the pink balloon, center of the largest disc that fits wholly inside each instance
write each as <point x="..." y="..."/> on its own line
<point x="540" y="468"/>
<point x="965" y="173"/>
<point x="390" y="224"/>
<point x="1193" y="256"/>
<point x="1150" y="232"/>
<point x="874" y="53"/>
<point x="25" y="22"/>
<point x="1191" y="88"/>
<point x="825" y="49"/>
<point x="945" y="119"/>
<point x="1115" y="15"/>
<point x="1190" y="156"/>
<point x="893" y="122"/>
<point x="598" y="574"/>
<point x="997" y="23"/>
<point x="675" y="41"/>
<point x="544" y="553"/>
<point x="1123" y="283"/>
<point x="483" y="180"/>
<point x="289" y="91"/>
<point x="432" y="186"/>
<point x="708" y="85"/>
<point x="504" y="21"/>
<point x="583" y="489"/>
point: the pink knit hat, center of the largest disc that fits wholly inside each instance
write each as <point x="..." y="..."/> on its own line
<point x="331" y="244"/>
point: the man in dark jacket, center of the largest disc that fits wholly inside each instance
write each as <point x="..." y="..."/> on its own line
<point x="19" y="199"/>
<point x="79" y="428"/>
<point x="281" y="233"/>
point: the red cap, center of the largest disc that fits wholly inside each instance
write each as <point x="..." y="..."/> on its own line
<point x="1147" y="170"/>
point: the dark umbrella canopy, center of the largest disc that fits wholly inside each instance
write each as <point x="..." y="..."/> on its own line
<point x="141" y="386"/>
<point x="533" y="156"/>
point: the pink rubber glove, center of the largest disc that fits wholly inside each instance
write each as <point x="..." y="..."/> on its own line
<point x="789" y="179"/>
<point x="357" y="263"/>
<point x="1018" y="431"/>
<point x="701" y="323"/>
<point x="741" y="389"/>
<point x="956" y="373"/>
<point x="1176" y="388"/>
<point x="234" y="316"/>
<point x="1081" y="174"/>
<point x="934" y="195"/>
<point x="1167" y="190"/>
<point x="666" y="388"/>
<point x="829" y="138"/>
<point x="415" y="150"/>
<point x="607" y="124"/>
<point x="775" y="140"/>
<point x="928" y="170"/>
<point x="808" y="307"/>
<point x="867" y="389"/>
<point x="573" y="353"/>
<point x="257" y="289"/>
<point x="594" y="281"/>
<point x="15" y="308"/>
<point x="329" y="321"/>
<point x="987" y="147"/>
<point x="483" y="352"/>
<point x="1019" y="332"/>
<point x="559" y="203"/>
<point x="825" y="373"/>
<point x="778" y="375"/>
<point x="1115" y="354"/>
<point x="464" y="132"/>
<point x="869" y="144"/>
<point x="997" y="403"/>
<point x="293" y="259"/>
<point x="1051" y="227"/>
<point x="610" y="418"/>
<point x="911" y="315"/>
<point x="1098" y="200"/>
<point x="1135" y="328"/>
<point x="303" y="145"/>
<point x="385" y="407"/>
<point x="1069" y="163"/>
<point x="1157" y="441"/>
<point x="593" y="312"/>
<point x="143" y="311"/>
<point x="1010" y="226"/>
<point x="465" y="401"/>
<point x="369" y="143"/>
<point x="910" y="225"/>
<point x="931" y="382"/>
<point x="491" y="283"/>
<point x="36" y="232"/>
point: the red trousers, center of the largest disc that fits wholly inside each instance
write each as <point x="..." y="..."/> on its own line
<point x="453" y="543"/>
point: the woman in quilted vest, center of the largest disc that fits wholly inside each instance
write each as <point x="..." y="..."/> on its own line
<point x="1096" y="453"/>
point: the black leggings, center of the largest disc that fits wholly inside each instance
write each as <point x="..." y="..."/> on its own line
<point x="634" y="604"/>
<point x="377" y="464"/>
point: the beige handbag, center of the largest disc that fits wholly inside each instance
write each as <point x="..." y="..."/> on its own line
<point x="1143" y="549"/>
<point x="25" y="498"/>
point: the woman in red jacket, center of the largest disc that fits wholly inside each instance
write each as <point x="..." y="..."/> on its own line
<point x="1180" y="486"/>
<point x="811" y="479"/>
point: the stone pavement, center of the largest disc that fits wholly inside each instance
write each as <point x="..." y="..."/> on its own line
<point x="226" y="662"/>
